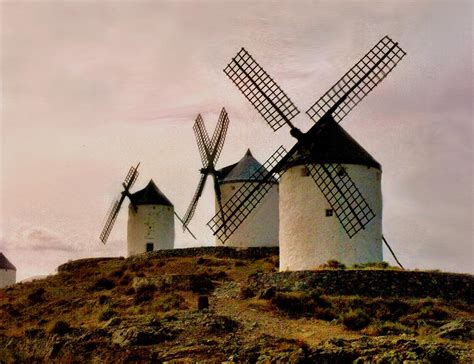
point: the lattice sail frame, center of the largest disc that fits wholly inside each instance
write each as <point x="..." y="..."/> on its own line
<point x="245" y="199"/>
<point x="261" y="90"/>
<point x="351" y="209"/>
<point x="192" y="206"/>
<point x="202" y="140"/>
<point x="218" y="138"/>
<point x="362" y="78"/>
<point x="209" y="150"/>
<point x="109" y="223"/>
<point x="112" y="214"/>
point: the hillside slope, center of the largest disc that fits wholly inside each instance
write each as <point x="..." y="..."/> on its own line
<point x="144" y="308"/>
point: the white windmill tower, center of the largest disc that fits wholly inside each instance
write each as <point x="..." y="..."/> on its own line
<point x="325" y="157"/>
<point x="229" y="179"/>
<point x="7" y="272"/>
<point x="261" y="228"/>
<point x="150" y="217"/>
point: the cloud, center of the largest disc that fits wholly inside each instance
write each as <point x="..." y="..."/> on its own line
<point x="38" y="239"/>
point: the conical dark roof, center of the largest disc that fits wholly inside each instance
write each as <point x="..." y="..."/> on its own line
<point x="150" y="195"/>
<point x="242" y="171"/>
<point x="5" y="263"/>
<point x="330" y="143"/>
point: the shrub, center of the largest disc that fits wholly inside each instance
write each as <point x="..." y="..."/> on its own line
<point x="171" y="301"/>
<point x="103" y="284"/>
<point x="246" y="292"/>
<point x="103" y="299"/>
<point x="303" y="304"/>
<point x="388" y="328"/>
<point x="107" y="313"/>
<point x="125" y="280"/>
<point x="144" y="292"/>
<point x="60" y="328"/>
<point x="36" y="296"/>
<point x="332" y="264"/>
<point x="373" y="265"/>
<point x="211" y="262"/>
<point x="130" y="291"/>
<point x="201" y="283"/>
<point x="355" y="319"/>
<point x="118" y="273"/>
<point x="292" y="302"/>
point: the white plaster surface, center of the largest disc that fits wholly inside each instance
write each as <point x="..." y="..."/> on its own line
<point x="150" y="224"/>
<point x="308" y="238"/>
<point x="7" y="277"/>
<point x="260" y="228"/>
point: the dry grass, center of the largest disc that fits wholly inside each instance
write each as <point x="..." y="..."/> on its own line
<point x="92" y="293"/>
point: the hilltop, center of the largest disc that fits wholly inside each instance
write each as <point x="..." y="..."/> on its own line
<point x="145" y="308"/>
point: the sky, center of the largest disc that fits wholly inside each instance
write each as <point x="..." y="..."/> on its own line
<point x="90" y="88"/>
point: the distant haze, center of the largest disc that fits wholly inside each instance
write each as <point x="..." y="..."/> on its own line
<point x="90" y="88"/>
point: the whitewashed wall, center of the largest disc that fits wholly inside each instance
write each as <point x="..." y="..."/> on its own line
<point x="150" y="224"/>
<point x="260" y="228"/>
<point x="7" y="277"/>
<point x="308" y="238"/>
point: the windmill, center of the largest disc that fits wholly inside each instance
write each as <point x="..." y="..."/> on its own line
<point x="300" y="247"/>
<point x="150" y="220"/>
<point x="260" y="229"/>
<point x="209" y="150"/>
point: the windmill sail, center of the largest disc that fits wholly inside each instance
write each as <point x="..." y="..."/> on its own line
<point x="259" y="88"/>
<point x="128" y="182"/>
<point x="245" y="199"/>
<point x="352" y="210"/>
<point x="209" y="150"/>
<point x="192" y="206"/>
<point x="110" y="220"/>
<point x="218" y="138"/>
<point x="361" y="79"/>
<point x="202" y="139"/>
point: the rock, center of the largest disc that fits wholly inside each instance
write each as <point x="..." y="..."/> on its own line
<point x="457" y="329"/>
<point x="139" y="336"/>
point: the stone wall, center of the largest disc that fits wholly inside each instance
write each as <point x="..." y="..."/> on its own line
<point x="374" y="283"/>
<point x="218" y="252"/>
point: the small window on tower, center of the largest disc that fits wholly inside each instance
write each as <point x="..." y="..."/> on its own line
<point x="149" y="247"/>
<point x="329" y="212"/>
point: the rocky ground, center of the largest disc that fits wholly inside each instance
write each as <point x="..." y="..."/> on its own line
<point x="144" y="309"/>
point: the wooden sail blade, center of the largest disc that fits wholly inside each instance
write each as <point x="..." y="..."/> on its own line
<point x="110" y="219"/>
<point x="131" y="177"/>
<point x="228" y="219"/>
<point x="359" y="81"/>
<point x="192" y="206"/>
<point x="202" y="139"/>
<point x="350" y="207"/>
<point x="218" y="138"/>
<point x="261" y="90"/>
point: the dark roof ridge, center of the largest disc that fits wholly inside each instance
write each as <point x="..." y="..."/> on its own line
<point x="5" y="263"/>
<point x="150" y="195"/>
<point x="330" y="143"/>
<point x="243" y="170"/>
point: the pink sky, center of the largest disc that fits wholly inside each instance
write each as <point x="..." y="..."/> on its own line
<point x="90" y="88"/>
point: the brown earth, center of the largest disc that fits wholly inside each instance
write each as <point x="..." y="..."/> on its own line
<point x="144" y="309"/>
